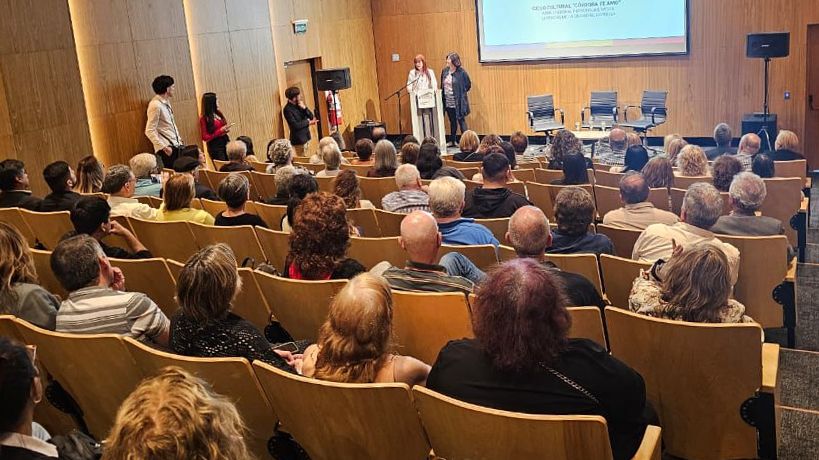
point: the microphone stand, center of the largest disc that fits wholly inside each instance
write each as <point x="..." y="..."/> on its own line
<point x="398" y="93"/>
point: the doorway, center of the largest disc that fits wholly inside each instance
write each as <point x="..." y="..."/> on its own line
<point x="810" y="141"/>
<point x="300" y="74"/>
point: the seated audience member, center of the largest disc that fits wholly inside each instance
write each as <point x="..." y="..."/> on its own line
<point x="364" y="152"/>
<point x="613" y="153"/>
<point x="692" y="162"/>
<point x="347" y="187"/>
<point x="378" y="133"/>
<point x="747" y="194"/>
<point x="163" y="418"/>
<point x="674" y="149"/>
<point x="749" y="146"/>
<point x="234" y="190"/>
<point x="724" y="169"/>
<point x="143" y="166"/>
<point x="574" y="212"/>
<point x="176" y="206"/>
<point x="722" y="138"/>
<point x="564" y="143"/>
<point x="787" y="147"/>
<point x="21" y="389"/>
<point x="283" y="177"/>
<point x="319" y="241"/>
<point x="468" y="147"/>
<point x="430" y="165"/>
<point x="236" y="153"/>
<point x="120" y="185"/>
<point x="332" y="161"/>
<point x="280" y="154"/>
<point x="446" y="201"/>
<point x="635" y="160"/>
<point x="701" y="208"/>
<point x="667" y="141"/>
<point x="522" y="360"/>
<point x="409" y="153"/>
<point x="61" y="180"/>
<point x="410" y="195"/>
<point x="493" y="200"/>
<point x="300" y="186"/>
<point x="420" y="239"/>
<point x="430" y="140"/>
<point x="386" y="161"/>
<point x="89" y="175"/>
<point x="575" y="170"/>
<point x="190" y="166"/>
<point x="694" y="285"/>
<point x="15" y="190"/>
<point x="637" y="212"/>
<point x="633" y="139"/>
<point x="486" y="151"/>
<point x="509" y="151"/>
<point x="355" y="342"/>
<point x="315" y="159"/>
<point x="519" y="142"/>
<point x="92" y="216"/>
<point x="20" y="292"/>
<point x="763" y="166"/>
<point x="248" y="147"/>
<point x="204" y="326"/>
<point x="97" y="303"/>
<point x="659" y="173"/>
<point x="410" y="139"/>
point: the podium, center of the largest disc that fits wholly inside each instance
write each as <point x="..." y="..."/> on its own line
<point x="427" y="112"/>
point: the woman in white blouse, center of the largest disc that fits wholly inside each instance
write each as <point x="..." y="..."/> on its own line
<point x="421" y="78"/>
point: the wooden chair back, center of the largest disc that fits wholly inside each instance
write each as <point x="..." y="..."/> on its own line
<point x="659" y="197"/>
<point x="498" y="227"/>
<point x="212" y="207"/>
<point x="793" y="168"/>
<point x="276" y="245"/>
<point x="46" y="277"/>
<point x="517" y="187"/>
<point x="8" y="328"/>
<point x="607" y="178"/>
<point x="678" y="196"/>
<point x="587" y="323"/>
<point x="151" y="277"/>
<point x="524" y="175"/>
<point x="214" y="178"/>
<point x="196" y="204"/>
<point x="697" y="376"/>
<point x="326" y="183"/>
<point x="217" y="164"/>
<point x="258" y="166"/>
<point x="482" y="255"/>
<point x="424" y="322"/>
<point x="472" y="185"/>
<point x="782" y="202"/>
<point x="546" y="176"/>
<point x="528" y="164"/>
<point x="469" y="173"/>
<point x="389" y="222"/>
<point x="541" y="197"/>
<point x="271" y="214"/>
<point x="242" y="239"/>
<point x="684" y="182"/>
<point x="582" y="264"/>
<point x="231" y="377"/>
<point x="462" y="164"/>
<point x="376" y="188"/>
<point x="506" y="253"/>
<point x="48" y="227"/>
<point x="623" y="239"/>
<point x="619" y="274"/>
<point x="314" y="168"/>
<point x="371" y="251"/>
<point x="366" y="222"/>
<point x="343" y="420"/>
<point x="606" y="199"/>
<point x="360" y="170"/>
<point x="601" y="167"/>
<point x="116" y="240"/>
<point x="265" y="183"/>
<point x="763" y="265"/>
<point x="250" y="303"/>
<point x="152" y="201"/>
<point x="170" y="240"/>
<point x="13" y="217"/>
<point x="300" y="306"/>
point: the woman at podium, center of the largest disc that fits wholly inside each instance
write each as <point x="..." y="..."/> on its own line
<point x="421" y="81"/>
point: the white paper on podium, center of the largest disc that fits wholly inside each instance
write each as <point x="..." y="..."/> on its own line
<point x="425" y="98"/>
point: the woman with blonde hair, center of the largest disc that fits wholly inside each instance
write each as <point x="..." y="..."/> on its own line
<point x="787" y="147"/>
<point x="694" y="285"/>
<point x="468" y="145"/>
<point x="90" y="175"/>
<point x="386" y="160"/>
<point x="332" y="161"/>
<point x="355" y="342"/>
<point x="674" y="148"/>
<point x="20" y="293"/>
<point x="692" y="162"/>
<point x="176" y="206"/>
<point x="176" y="415"/>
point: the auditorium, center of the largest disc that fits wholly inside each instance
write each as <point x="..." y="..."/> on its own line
<point x="409" y="229"/>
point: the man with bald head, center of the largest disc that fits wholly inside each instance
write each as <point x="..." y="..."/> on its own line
<point x="420" y="239"/>
<point x="749" y="145"/>
<point x="613" y="153"/>
<point x="637" y="212"/>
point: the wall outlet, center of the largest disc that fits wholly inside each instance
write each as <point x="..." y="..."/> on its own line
<point x="396" y="57"/>
<point x="787" y="95"/>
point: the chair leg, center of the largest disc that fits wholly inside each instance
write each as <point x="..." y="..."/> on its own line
<point x="758" y="411"/>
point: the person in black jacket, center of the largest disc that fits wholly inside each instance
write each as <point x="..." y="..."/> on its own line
<point x="455" y="83"/>
<point x="299" y="118"/>
<point x="493" y="200"/>
<point x="15" y="186"/>
<point x="61" y="180"/>
<point x="91" y="215"/>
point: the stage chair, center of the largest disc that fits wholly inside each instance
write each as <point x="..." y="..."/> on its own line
<point x="169" y="240"/>
<point x="230" y="377"/>
<point x="541" y="112"/>
<point x="276" y="246"/>
<point x="683" y="182"/>
<point x="326" y="184"/>
<point x="608" y="179"/>
<point x="242" y="239"/>
<point x="697" y="377"/>
<point x="48" y="227"/>
<point x="793" y="168"/>
<point x="782" y="202"/>
<point x="546" y="176"/>
<point x="343" y="420"/>
<point x="301" y="306"/>
<point x="389" y="222"/>
<point x="622" y="239"/>
<point x="602" y="109"/>
<point x="376" y="188"/>
<point x="365" y="220"/>
<point x="459" y="430"/>
<point x="587" y="323"/>
<point x="271" y="214"/>
<point x="484" y="256"/>
<point x="653" y="112"/>
<point x="619" y="274"/>
<point x="14" y="217"/>
<point x="582" y="264"/>
<point x="49" y="282"/>
<point x="151" y="277"/>
<point x="424" y="322"/>
<point x="370" y="251"/>
<point x="499" y="227"/>
<point x="524" y="175"/>
<point x="265" y="183"/>
<point x="360" y="170"/>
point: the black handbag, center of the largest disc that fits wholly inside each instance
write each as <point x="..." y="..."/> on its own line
<point x="77" y="445"/>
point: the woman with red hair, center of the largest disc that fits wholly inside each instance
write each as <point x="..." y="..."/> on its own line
<point x="421" y="79"/>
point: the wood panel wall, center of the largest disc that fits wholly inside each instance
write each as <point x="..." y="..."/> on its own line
<point x="715" y="82"/>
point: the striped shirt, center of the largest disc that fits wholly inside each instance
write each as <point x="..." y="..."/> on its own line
<point x="99" y="310"/>
<point x="405" y="201"/>
<point x="418" y="277"/>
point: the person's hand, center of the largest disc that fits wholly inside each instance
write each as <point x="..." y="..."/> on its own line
<point x="314" y="121"/>
<point x="289" y="357"/>
<point x="225" y="129"/>
<point x="676" y="249"/>
<point x="168" y="150"/>
<point x="118" y="283"/>
<point x="115" y="228"/>
<point x="302" y="105"/>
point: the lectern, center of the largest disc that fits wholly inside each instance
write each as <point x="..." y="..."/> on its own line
<point x="427" y="111"/>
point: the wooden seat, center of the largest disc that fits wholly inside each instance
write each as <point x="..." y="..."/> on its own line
<point x="623" y="239"/>
<point x="483" y="256"/>
<point x="469" y="173"/>
<point x="782" y="202"/>
<point x="608" y="179"/>
<point x="696" y="376"/>
<point x="793" y="168"/>
<point x="217" y="164"/>
<point x="326" y="184"/>
<point x="376" y="188"/>
<point x="271" y="214"/>
<point x="582" y="264"/>
<point x="459" y="430"/>
<point x="214" y="178"/>
<point x="587" y="323"/>
<point x="258" y="166"/>
<point x="276" y="245"/>
<point x="600" y="167"/>
<point x="619" y="274"/>
<point x="541" y="197"/>
<point x="213" y="207"/>
<point x="14" y="217"/>
<point x="360" y="170"/>
<point x="265" y="184"/>
<point x="499" y="227"/>
<point x="364" y="219"/>
<point x="683" y="182"/>
<point x="341" y="420"/>
<point x="250" y="303"/>
<point x="461" y="164"/>
<point x="763" y="265"/>
<point x="528" y="164"/>
<point x="314" y="168"/>
<point x="170" y="240"/>
<point x="46" y="277"/>
<point x="389" y="222"/>
<point x="242" y="239"/>
<point x="301" y="306"/>
<point x="546" y="176"/>
<point x="152" y="201"/>
<point x="230" y="377"/>
<point x="608" y="198"/>
<point x="151" y="277"/>
<point x="371" y="251"/>
<point x="48" y="227"/>
<point x="524" y="175"/>
<point x="424" y="322"/>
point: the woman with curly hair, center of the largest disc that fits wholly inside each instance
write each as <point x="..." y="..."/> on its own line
<point x="674" y="148"/>
<point x="574" y="213"/>
<point x="346" y="186"/>
<point x="355" y="343"/>
<point x="89" y="175"/>
<point x="564" y="143"/>
<point x="692" y="161"/>
<point x="279" y="154"/>
<point x="319" y="241"/>
<point x="724" y="169"/>
<point x="522" y="359"/>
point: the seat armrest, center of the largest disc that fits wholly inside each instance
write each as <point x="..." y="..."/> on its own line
<point x="770" y="367"/>
<point x="531" y="116"/>
<point x="614" y="112"/>
<point x="651" y="446"/>
<point x="658" y="110"/>
<point x="583" y="113"/>
<point x="562" y="116"/>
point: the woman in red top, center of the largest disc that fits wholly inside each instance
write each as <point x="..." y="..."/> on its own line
<point x="214" y="127"/>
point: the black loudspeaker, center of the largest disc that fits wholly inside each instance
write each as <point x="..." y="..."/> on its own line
<point x="768" y="45"/>
<point x="752" y="123"/>
<point x="333" y="79"/>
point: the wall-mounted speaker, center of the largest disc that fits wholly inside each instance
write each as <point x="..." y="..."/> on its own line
<point x="768" y="45"/>
<point x="333" y="79"/>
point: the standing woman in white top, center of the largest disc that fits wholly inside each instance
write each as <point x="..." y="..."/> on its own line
<point x="421" y="78"/>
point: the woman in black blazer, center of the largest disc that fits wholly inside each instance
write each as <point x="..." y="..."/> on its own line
<point x="455" y="83"/>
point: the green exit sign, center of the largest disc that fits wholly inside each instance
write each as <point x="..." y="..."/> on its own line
<point x="300" y="26"/>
